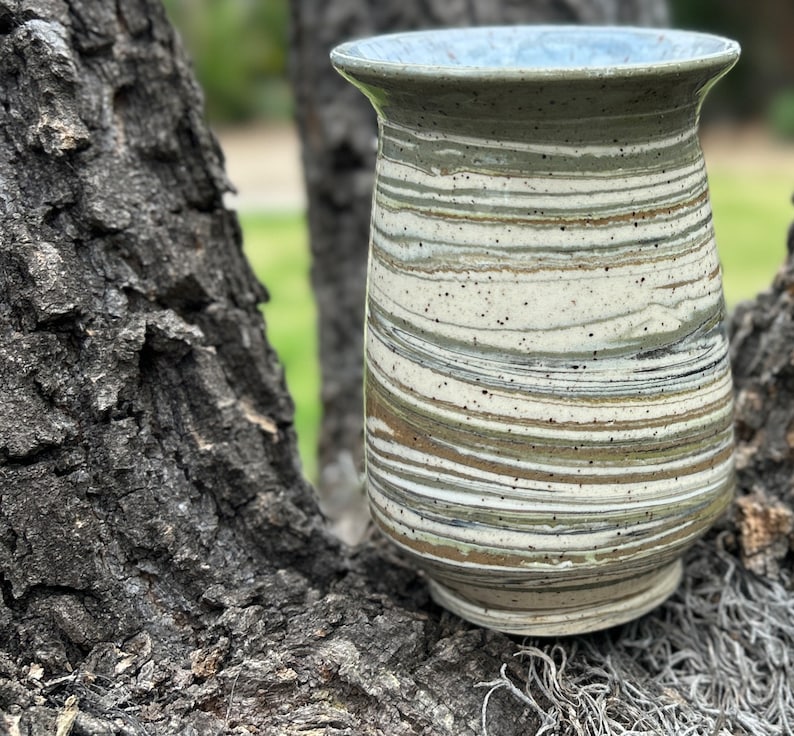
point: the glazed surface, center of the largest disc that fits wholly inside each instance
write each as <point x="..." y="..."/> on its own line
<point x="548" y="390"/>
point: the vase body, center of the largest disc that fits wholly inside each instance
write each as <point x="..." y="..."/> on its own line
<point x="548" y="392"/>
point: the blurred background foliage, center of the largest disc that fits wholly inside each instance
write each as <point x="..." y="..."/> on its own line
<point x="761" y="87"/>
<point x="240" y="52"/>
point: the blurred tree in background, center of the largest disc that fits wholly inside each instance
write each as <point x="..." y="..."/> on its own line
<point x="762" y="84"/>
<point x="239" y="50"/>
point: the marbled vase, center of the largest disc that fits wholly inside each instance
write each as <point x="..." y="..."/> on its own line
<point x="548" y="393"/>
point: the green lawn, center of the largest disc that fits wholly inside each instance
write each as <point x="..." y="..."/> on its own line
<point x="752" y="212"/>
<point x="277" y="248"/>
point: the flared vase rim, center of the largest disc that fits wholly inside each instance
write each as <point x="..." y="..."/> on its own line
<point x="690" y="50"/>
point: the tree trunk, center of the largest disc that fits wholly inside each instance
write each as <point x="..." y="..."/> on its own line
<point x="163" y="566"/>
<point x="338" y="131"/>
<point x="150" y="489"/>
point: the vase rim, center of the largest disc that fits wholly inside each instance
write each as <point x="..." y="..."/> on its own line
<point x="535" y="52"/>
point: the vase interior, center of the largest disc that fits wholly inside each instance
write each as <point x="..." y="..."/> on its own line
<point x="537" y="49"/>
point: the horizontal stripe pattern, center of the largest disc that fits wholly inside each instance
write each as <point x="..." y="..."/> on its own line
<point x="549" y="402"/>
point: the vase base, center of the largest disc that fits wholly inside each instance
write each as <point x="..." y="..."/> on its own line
<point x="644" y="595"/>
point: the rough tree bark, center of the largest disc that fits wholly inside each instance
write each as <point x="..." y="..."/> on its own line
<point x="338" y="131"/>
<point x="163" y="569"/>
<point x="762" y="345"/>
<point x="149" y="489"/>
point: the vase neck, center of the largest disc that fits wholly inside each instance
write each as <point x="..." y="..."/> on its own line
<point x="508" y="82"/>
<point x="631" y="111"/>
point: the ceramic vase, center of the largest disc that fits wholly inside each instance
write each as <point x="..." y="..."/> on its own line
<point x="548" y="392"/>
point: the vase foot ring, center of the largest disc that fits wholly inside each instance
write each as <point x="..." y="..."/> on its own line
<point x="643" y="597"/>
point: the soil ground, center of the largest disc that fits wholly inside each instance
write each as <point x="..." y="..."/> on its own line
<point x="263" y="162"/>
